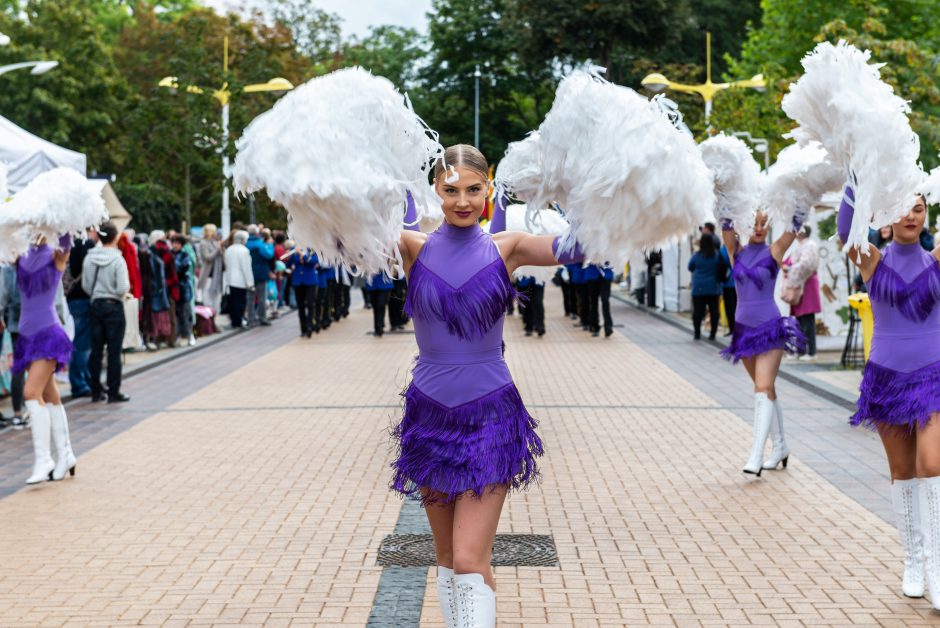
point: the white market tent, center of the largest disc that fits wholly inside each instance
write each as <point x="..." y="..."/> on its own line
<point x="27" y="155"/>
<point x="116" y="212"/>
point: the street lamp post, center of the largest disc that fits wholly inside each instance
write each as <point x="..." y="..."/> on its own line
<point x="656" y="82"/>
<point x="761" y="145"/>
<point x="476" y="107"/>
<point x="223" y="96"/>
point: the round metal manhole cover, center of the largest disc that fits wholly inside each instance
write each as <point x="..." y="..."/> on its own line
<point x="509" y="550"/>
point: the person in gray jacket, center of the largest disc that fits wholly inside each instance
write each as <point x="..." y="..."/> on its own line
<point x="105" y="279"/>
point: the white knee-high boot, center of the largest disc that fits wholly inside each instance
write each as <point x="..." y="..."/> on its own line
<point x="930" y="524"/>
<point x="780" y="453"/>
<point x="446" y="595"/>
<point x="39" y="426"/>
<point x="476" y="601"/>
<point x="65" y="459"/>
<point x="763" y="417"/>
<point x="905" y="496"/>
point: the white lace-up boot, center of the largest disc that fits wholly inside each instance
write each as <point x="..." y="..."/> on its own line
<point x="930" y="524"/>
<point x="780" y="453"/>
<point x="65" y="459"/>
<point x="905" y="496"/>
<point x="476" y="601"/>
<point x="446" y="595"/>
<point x="763" y="417"/>
<point x="39" y="426"/>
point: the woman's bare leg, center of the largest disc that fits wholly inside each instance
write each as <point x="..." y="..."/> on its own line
<point x="475" y="523"/>
<point x="441" y="518"/>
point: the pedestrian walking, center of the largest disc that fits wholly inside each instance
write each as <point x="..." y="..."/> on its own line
<point x="380" y="291"/>
<point x="105" y="279"/>
<point x="78" y="303"/>
<point x="761" y="334"/>
<point x="706" y="266"/>
<point x="801" y="288"/>
<point x="305" y="284"/>
<point x="900" y="391"/>
<point x="262" y="257"/>
<point x="238" y="278"/>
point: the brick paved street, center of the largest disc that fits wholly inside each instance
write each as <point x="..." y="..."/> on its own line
<point x="246" y="485"/>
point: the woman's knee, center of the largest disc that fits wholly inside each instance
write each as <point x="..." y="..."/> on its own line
<point x="928" y="465"/>
<point x="903" y="470"/>
<point x="471" y="560"/>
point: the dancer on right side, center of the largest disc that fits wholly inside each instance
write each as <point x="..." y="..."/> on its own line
<point x="761" y="334"/>
<point x="900" y="390"/>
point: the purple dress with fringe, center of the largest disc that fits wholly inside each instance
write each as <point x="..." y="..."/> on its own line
<point x="465" y="427"/>
<point x="41" y="334"/>
<point x="901" y="381"/>
<point x="758" y="325"/>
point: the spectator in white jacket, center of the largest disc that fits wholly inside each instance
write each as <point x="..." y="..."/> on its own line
<point x="239" y="280"/>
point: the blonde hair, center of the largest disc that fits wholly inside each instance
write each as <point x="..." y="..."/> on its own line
<point x="465" y="156"/>
<point x="209" y="230"/>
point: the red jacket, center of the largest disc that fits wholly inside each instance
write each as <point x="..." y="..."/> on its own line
<point x="129" y="251"/>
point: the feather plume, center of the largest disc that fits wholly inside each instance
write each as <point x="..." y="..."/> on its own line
<point x="339" y="153"/>
<point x="841" y="102"/>
<point x="797" y="180"/>
<point x="626" y="172"/>
<point x="737" y="180"/>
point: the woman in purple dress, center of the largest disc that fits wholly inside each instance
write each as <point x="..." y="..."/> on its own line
<point x="42" y="349"/>
<point x="466" y="439"/>
<point x="761" y="334"/>
<point x="900" y="390"/>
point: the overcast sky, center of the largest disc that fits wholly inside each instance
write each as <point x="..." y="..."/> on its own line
<point x="359" y="15"/>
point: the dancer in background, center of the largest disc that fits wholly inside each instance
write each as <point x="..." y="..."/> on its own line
<point x="761" y="334"/>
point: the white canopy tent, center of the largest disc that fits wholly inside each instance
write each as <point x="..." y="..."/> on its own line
<point x="116" y="211"/>
<point x="27" y="155"/>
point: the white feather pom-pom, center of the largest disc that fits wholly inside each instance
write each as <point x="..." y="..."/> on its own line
<point x="54" y="203"/>
<point x="4" y="190"/>
<point x="541" y="222"/>
<point x="842" y="102"/>
<point x="520" y="169"/>
<point x="339" y="153"/>
<point x="930" y="187"/>
<point x="737" y="180"/>
<point x="625" y="173"/>
<point x="797" y="181"/>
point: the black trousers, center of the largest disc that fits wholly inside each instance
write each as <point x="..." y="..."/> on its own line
<point x="604" y="293"/>
<point x="523" y="299"/>
<point x="306" y="308"/>
<point x="237" y="300"/>
<point x="584" y="307"/>
<point x="107" y="328"/>
<point x="345" y="298"/>
<point x="808" y="327"/>
<point x="324" y="305"/>
<point x="534" y="314"/>
<point x="379" y="303"/>
<point x="567" y="295"/>
<point x="730" y="296"/>
<point x="699" y="303"/>
<point x="396" y="304"/>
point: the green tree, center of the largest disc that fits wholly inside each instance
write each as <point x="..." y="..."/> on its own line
<point x="390" y="51"/>
<point x="79" y="104"/>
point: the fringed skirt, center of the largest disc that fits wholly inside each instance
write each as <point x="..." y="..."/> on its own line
<point x="778" y="333"/>
<point x="50" y="343"/>
<point x="889" y="397"/>
<point x="479" y="444"/>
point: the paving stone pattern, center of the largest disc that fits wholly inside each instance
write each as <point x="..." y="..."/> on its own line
<point x="259" y="497"/>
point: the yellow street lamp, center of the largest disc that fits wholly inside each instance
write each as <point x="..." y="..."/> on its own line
<point x="224" y="96"/>
<point x="657" y="83"/>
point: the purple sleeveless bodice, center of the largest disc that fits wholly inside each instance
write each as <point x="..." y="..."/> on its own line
<point x="41" y="334"/>
<point x="465" y="427"/>
<point x="37" y="278"/>
<point x="755" y="275"/>
<point x="454" y="369"/>
<point x="904" y="290"/>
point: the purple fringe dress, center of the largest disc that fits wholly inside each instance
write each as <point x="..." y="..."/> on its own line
<point x="465" y="427"/>
<point x="758" y="325"/>
<point x="41" y="334"/>
<point x="901" y="381"/>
